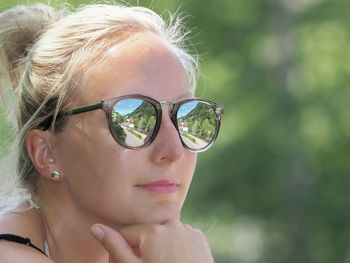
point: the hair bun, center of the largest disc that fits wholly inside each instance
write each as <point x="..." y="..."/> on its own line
<point x="20" y="27"/>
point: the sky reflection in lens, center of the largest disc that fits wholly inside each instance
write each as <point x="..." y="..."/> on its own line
<point x="127" y="106"/>
<point x="186" y="109"/>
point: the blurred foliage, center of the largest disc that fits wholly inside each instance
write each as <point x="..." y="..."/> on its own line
<point x="274" y="188"/>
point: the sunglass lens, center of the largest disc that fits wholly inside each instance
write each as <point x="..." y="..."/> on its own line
<point x="133" y="121"/>
<point x="197" y="123"/>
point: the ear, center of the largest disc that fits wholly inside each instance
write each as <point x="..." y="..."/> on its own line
<point x="39" y="147"/>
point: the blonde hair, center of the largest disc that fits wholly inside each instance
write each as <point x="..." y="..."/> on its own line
<point x="44" y="54"/>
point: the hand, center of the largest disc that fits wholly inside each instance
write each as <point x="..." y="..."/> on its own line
<point x="171" y="242"/>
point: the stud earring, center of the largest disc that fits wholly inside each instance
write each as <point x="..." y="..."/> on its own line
<point x="56" y="176"/>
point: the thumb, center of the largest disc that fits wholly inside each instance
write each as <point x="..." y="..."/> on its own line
<point x="114" y="243"/>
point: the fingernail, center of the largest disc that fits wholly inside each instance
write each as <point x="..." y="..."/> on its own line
<point x="97" y="232"/>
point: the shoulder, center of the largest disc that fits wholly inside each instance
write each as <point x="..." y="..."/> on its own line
<point x="26" y="223"/>
<point x="16" y="253"/>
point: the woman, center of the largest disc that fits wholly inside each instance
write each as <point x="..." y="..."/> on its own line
<point x="108" y="130"/>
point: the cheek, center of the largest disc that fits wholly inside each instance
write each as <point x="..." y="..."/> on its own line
<point x="190" y="160"/>
<point x="94" y="166"/>
<point x="100" y="186"/>
<point x="185" y="173"/>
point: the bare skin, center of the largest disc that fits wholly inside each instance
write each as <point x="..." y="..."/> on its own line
<point x="27" y="224"/>
<point x="100" y="191"/>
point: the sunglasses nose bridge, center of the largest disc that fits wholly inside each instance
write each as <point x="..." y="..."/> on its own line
<point x="166" y="102"/>
<point x="171" y="106"/>
<point x="170" y="110"/>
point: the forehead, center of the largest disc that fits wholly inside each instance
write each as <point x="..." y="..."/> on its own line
<point x="143" y="64"/>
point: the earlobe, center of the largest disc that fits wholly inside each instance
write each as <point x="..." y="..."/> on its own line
<point x="39" y="149"/>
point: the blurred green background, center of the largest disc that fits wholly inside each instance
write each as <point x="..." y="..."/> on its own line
<point x="274" y="188"/>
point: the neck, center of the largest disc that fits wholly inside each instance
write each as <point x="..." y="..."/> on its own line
<point x="68" y="230"/>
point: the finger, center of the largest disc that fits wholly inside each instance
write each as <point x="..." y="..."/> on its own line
<point x="110" y="259"/>
<point x="134" y="233"/>
<point x="114" y="243"/>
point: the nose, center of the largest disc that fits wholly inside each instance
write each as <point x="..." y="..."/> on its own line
<point x="167" y="146"/>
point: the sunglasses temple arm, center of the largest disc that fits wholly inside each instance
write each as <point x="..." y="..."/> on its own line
<point x="84" y="109"/>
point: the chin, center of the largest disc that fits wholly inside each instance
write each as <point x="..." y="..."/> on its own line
<point x="160" y="215"/>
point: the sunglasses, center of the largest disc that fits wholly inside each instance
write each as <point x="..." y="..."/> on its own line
<point x="134" y="120"/>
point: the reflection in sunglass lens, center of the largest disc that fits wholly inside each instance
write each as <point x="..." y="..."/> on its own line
<point x="196" y="121"/>
<point x="133" y="120"/>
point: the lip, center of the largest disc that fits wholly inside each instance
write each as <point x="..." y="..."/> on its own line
<point x="160" y="186"/>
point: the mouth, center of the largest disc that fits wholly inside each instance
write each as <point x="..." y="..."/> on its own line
<point x="160" y="186"/>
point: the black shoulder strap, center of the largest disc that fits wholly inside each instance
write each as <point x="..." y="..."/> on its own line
<point x="21" y="240"/>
